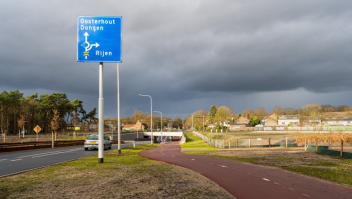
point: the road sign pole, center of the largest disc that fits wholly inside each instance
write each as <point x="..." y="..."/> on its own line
<point x="101" y="115"/>
<point x="118" y="109"/>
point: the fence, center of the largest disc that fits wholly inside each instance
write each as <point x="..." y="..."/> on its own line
<point x="248" y="142"/>
<point x="304" y="128"/>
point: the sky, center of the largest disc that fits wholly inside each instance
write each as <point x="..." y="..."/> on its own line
<point x="188" y="55"/>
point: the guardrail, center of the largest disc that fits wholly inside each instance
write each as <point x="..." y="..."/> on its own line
<point x="19" y="146"/>
<point x="183" y="138"/>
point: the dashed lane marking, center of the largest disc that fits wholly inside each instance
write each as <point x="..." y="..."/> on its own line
<point x="276" y="183"/>
<point x="3" y="159"/>
<point x="53" y="152"/>
<point x="306" y="195"/>
<point x="16" y="160"/>
<point x="291" y="189"/>
<point x="192" y="159"/>
<point x="266" y="179"/>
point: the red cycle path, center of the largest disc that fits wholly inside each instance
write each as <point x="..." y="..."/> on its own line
<point x="247" y="181"/>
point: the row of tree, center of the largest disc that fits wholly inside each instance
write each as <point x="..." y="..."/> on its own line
<point x="220" y="115"/>
<point x="17" y="110"/>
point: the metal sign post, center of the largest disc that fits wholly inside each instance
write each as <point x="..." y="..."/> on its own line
<point x="118" y="110"/>
<point x="101" y="116"/>
<point x="99" y="39"/>
<point x="37" y="129"/>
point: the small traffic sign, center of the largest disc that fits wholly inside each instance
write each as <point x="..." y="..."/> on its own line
<point x="99" y="38"/>
<point x="37" y="129"/>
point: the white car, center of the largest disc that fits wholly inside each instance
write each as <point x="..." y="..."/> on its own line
<point x="93" y="140"/>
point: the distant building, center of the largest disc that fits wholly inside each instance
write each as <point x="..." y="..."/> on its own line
<point x="212" y="126"/>
<point x="289" y="120"/>
<point x="237" y="127"/>
<point x="337" y="121"/>
<point x="314" y="121"/>
<point x="134" y="127"/>
<point x="271" y="120"/>
<point x="243" y="120"/>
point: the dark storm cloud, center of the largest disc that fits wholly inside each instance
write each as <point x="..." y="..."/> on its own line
<point x="183" y="53"/>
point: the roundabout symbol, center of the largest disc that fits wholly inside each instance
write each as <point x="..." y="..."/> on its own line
<point x="87" y="46"/>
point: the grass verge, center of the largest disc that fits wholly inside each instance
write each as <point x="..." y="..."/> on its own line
<point x="195" y="143"/>
<point x="120" y="176"/>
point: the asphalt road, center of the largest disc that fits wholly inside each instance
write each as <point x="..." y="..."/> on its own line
<point x="20" y="161"/>
<point x="246" y="181"/>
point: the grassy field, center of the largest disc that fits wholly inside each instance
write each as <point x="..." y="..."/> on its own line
<point x="120" y="176"/>
<point x="194" y="143"/>
<point x="293" y="159"/>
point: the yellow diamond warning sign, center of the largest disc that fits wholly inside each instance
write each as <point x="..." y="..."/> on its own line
<point x="37" y="129"/>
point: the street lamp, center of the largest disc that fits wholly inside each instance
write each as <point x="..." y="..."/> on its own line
<point x="203" y="121"/>
<point x="151" y="116"/>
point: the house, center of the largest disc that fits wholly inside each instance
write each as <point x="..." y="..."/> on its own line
<point x="314" y="121"/>
<point x="134" y="127"/>
<point x="289" y="120"/>
<point x="243" y="120"/>
<point x="271" y="120"/>
<point x="212" y="126"/>
<point x="337" y="121"/>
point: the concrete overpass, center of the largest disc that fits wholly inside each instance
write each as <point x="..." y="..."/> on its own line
<point x="164" y="133"/>
<point x="167" y="135"/>
<point x="157" y="135"/>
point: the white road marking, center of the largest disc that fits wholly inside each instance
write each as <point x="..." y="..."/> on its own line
<point x="15" y="160"/>
<point x="3" y="159"/>
<point x="291" y="189"/>
<point x="276" y="183"/>
<point x="192" y="159"/>
<point x="48" y="153"/>
<point x="223" y="166"/>
<point x="52" y="153"/>
<point x="305" y="195"/>
<point x="266" y="179"/>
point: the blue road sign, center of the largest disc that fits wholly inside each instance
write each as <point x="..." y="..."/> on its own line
<point x="99" y="39"/>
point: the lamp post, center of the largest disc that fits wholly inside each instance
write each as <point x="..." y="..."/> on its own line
<point x="161" y="123"/>
<point x="151" y="116"/>
<point x="203" y="121"/>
